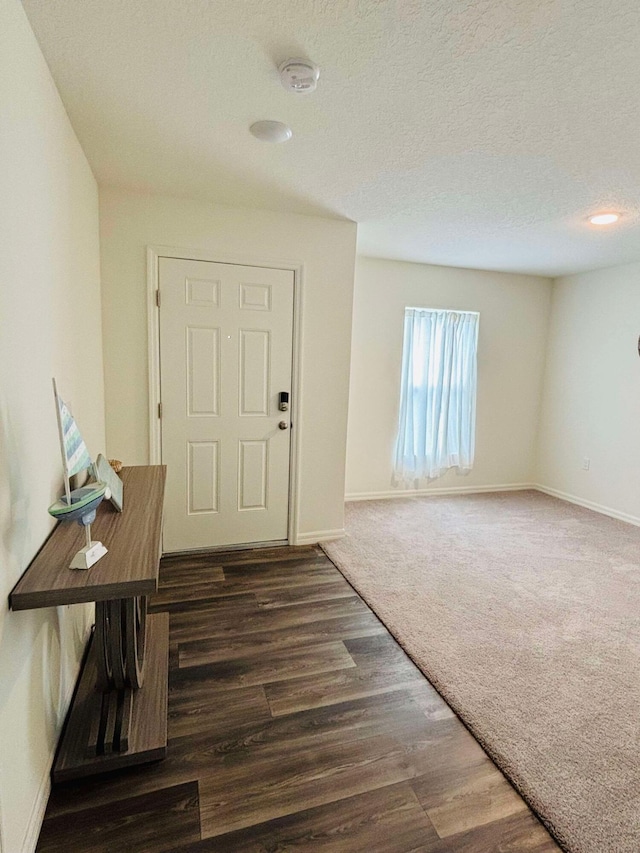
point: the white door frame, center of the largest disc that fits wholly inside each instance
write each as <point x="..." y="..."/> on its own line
<point x="154" y="253"/>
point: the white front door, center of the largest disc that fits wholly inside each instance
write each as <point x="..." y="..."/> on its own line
<point x="226" y="335"/>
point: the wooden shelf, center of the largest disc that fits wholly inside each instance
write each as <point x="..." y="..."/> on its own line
<point x="148" y="741"/>
<point x="132" y="537"/>
<point x="118" y="716"/>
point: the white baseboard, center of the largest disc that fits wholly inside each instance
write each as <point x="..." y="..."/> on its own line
<point x="605" y="510"/>
<point x="451" y="490"/>
<point x="319" y="536"/>
<point x="505" y="487"/>
<point x="39" y="807"/>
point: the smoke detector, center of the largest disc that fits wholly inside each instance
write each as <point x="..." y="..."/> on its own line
<point x="299" y="75"/>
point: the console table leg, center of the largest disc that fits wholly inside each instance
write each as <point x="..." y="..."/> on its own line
<point x="117" y="663"/>
<point x="120" y="637"/>
<point x="104" y="680"/>
<point x="135" y="624"/>
<point x="125" y="724"/>
<point x="120" y="645"/>
<point x="111" y="737"/>
<point x="93" y="742"/>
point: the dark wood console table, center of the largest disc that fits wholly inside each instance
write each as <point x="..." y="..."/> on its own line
<point x="118" y="715"/>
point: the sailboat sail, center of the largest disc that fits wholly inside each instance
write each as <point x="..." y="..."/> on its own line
<point x="80" y="504"/>
<point x="76" y="455"/>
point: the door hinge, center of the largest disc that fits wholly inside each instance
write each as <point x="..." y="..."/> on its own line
<point x="158" y="298"/>
<point x="159" y="410"/>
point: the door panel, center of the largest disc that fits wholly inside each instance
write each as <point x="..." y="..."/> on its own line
<point x="203" y="372"/>
<point x="225" y="355"/>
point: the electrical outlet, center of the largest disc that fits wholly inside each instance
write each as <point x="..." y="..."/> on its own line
<point x="586" y="463"/>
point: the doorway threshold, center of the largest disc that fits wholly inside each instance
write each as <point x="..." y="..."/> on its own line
<point x="244" y="546"/>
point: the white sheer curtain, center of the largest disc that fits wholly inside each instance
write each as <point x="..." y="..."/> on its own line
<point x="436" y="428"/>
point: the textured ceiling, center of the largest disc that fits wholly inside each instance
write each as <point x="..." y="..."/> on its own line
<point x="475" y="133"/>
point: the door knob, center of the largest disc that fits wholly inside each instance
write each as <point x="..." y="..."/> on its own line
<point x="283" y="425"/>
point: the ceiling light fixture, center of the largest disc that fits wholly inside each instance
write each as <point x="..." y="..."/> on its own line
<point x="271" y="131"/>
<point x="604" y="218"/>
<point x="299" y="75"/>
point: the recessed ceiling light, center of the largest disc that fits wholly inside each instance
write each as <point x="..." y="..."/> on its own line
<point x="271" y="131"/>
<point x="604" y="218"/>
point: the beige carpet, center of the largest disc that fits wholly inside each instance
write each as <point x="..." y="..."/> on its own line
<point x="524" y="612"/>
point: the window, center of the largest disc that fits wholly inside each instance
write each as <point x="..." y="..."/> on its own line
<point x="436" y="428"/>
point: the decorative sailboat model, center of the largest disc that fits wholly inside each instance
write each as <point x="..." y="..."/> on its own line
<point x="78" y="504"/>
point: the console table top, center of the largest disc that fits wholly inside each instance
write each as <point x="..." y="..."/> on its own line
<point x="129" y="569"/>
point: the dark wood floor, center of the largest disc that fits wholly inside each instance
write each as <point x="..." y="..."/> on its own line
<point x="296" y="723"/>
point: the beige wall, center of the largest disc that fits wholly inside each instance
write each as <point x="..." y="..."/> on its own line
<point x="326" y="249"/>
<point x="514" y="312"/>
<point x="50" y="325"/>
<point x="591" y="403"/>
